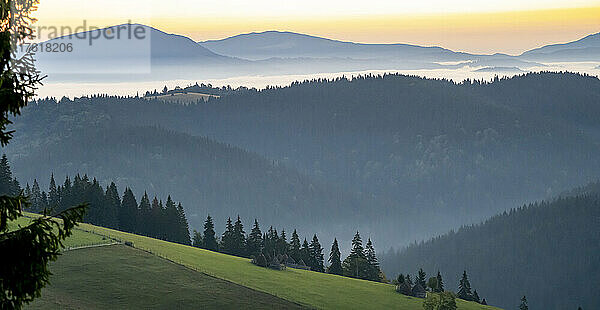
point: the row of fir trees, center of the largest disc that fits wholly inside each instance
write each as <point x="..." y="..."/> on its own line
<point x="435" y="284"/>
<point x="361" y="263"/>
<point x="106" y="207"/>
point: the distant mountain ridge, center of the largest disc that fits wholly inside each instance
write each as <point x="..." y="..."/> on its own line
<point x="277" y="44"/>
<point x="584" y="49"/>
<point x="154" y="52"/>
<point x="170" y="56"/>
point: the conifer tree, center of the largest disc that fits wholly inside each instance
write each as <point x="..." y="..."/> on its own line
<point x="305" y="253"/>
<point x="5" y="176"/>
<point x="421" y="276"/>
<point x="53" y="195"/>
<point x="400" y="279"/>
<point x="143" y="224"/>
<point x="270" y="241"/>
<point x="265" y="244"/>
<point x="316" y="255"/>
<point x="239" y="238"/>
<point x="26" y="251"/>
<point x="43" y="200"/>
<point x="171" y="221"/>
<point x="183" y="226"/>
<point x="464" y="288"/>
<point x="113" y="205"/>
<point x="294" y="251"/>
<point x="154" y="221"/>
<point x="374" y="271"/>
<point x="408" y="280"/>
<point x="197" y="239"/>
<point x="335" y="263"/>
<point x="209" y="240"/>
<point x="356" y="265"/>
<point x="128" y="214"/>
<point x="36" y="198"/>
<point x="476" y="297"/>
<point x="254" y="242"/>
<point x="93" y="194"/>
<point x="282" y="245"/>
<point x="440" y="283"/>
<point x="227" y="245"/>
<point x="524" y="305"/>
<point x="66" y="198"/>
<point x="8" y="185"/>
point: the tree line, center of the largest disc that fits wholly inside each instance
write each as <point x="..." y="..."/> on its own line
<point x="272" y="246"/>
<point x="106" y="207"/>
<point x="544" y="250"/>
<point x="435" y="284"/>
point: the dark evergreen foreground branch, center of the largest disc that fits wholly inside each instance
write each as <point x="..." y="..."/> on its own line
<point x="27" y="250"/>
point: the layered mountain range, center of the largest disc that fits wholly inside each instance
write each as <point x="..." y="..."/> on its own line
<point x="100" y="55"/>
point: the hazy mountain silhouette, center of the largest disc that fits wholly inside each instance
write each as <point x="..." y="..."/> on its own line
<point x="273" y="45"/>
<point x="159" y="55"/>
<point x="276" y="44"/>
<point x="118" y="50"/>
<point x="585" y="49"/>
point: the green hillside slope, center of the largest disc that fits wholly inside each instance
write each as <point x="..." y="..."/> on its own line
<point x="120" y="277"/>
<point x="312" y="289"/>
<point x="79" y="238"/>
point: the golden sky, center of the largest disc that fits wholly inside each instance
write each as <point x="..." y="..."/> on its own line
<point x="508" y="26"/>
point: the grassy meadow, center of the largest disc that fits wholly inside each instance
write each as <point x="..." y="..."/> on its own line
<point x="312" y="289"/>
<point x="79" y="237"/>
<point x="121" y="277"/>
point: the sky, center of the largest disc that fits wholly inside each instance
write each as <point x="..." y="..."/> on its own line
<point x="504" y="26"/>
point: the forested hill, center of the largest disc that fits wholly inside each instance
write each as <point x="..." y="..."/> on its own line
<point x="422" y="155"/>
<point x="547" y="251"/>
<point x="209" y="177"/>
<point x="568" y="97"/>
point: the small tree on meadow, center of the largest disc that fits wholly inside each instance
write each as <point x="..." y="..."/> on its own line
<point x="476" y="297"/>
<point x="356" y="264"/>
<point x="464" y="288"/>
<point x="374" y="272"/>
<point x="442" y="301"/>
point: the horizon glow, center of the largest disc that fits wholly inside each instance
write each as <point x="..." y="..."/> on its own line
<point x="509" y="26"/>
